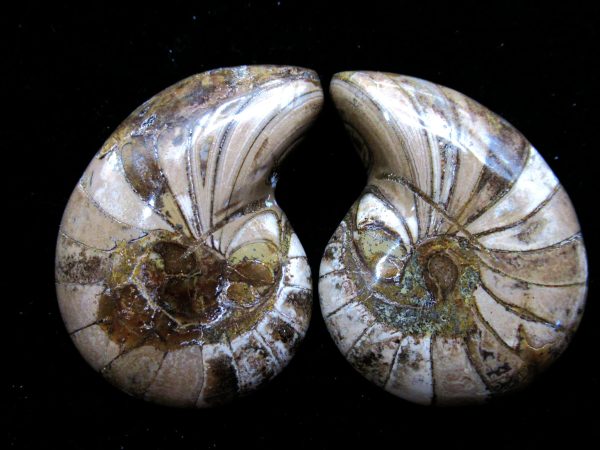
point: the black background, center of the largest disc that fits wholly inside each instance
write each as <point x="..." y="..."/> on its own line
<point x="75" y="72"/>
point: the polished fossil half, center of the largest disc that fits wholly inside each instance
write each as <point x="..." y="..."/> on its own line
<point x="460" y="272"/>
<point x="178" y="276"/>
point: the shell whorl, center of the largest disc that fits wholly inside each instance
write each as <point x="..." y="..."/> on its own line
<point x="460" y="272"/>
<point x="178" y="276"/>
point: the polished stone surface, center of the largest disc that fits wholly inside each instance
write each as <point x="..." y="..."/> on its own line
<point x="178" y="276"/>
<point x="460" y="272"/>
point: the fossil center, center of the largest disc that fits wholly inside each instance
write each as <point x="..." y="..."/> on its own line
<point x="167" y="290"/>
<point x="441" y="273"/>
<point x="449" y="269"/>
<point x="432" y="290"/>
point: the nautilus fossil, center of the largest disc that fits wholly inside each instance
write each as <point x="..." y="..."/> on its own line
<point x="178" y="276"/>
<point x="460" y="272"/>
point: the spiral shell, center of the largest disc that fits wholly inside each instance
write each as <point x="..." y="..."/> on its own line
<point x="460" y="272"/>
<point x="178" y="276"/>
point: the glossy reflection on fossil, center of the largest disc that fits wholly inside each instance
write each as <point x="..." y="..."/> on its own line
<point x="178" y="276"/>
<point x="460" y="272"/>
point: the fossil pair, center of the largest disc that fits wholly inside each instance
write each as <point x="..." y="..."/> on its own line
<point x="458" y="274"/>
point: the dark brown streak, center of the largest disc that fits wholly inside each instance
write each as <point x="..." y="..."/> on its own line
<point x="374" y="190"/>
<point x="443" y="167"/>
<point x="455" y="170"/>
<point x="492" y="331"/>
<point x="338" y="272"/>
<point x="143" y="394"/>
<point x="413" y="170"/>
<point x="432" y="184"/>
<point x="249" y="208"/>
<point x="459" y="131"/>
<point x="268" y="122"/>
<point x="393" y="364"/>
<point x="354" y="299"/>
<point x="285" y="238"/>
<point x="228" y="131"/>
<point x="295" y="286"/>
<point x="191" y="180"/>
<point x="475" y="367"/>
<point x="265" y="345"/>
<point x="288" y="320"/>
<point x="525" y="218"/>
<point x="519" y="311"/>
<point x="167" y="184"/>
<point x="566" y="241"/>
<point x="450" y="106"/>
<point x="224" y="136"/>
<point x="95" y="322"/>
<point x="365" y="274"/>
<point x="499" y="196"/>
<point x="493" y="269"/>
<point x="234" y="362"/>
<point x="203" y="374"/>
<point x="83" y="244"/>
<point x="400" y="180"/>
<point x="122" y="352"/>
<point x="107" y="214"/>
<point x="426" y="136"/>
<point x="134" y="190"/>
<point x="359" y="91"/>
<point x="468" y="201"/>
<point x="361" y="335"/>
<point x="239" y="227"/>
